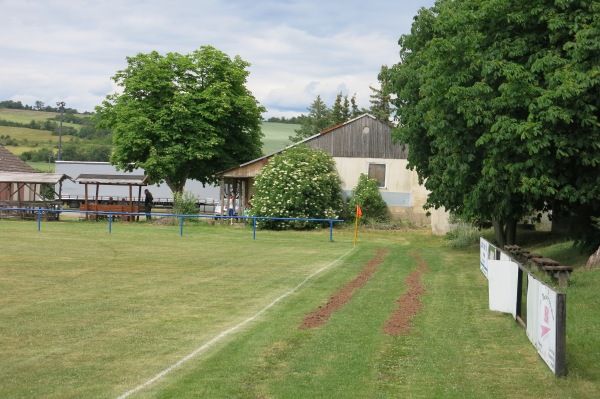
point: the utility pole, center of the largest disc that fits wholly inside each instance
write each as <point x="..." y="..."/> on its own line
<point x="61" y="106"/>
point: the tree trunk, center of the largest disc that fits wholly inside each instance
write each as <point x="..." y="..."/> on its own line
<point x="505" y="232"/>
<point x="176" y="188"/>
<point x="499" y="233"/>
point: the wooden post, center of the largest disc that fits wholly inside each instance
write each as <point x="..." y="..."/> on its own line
<point x="87" y="206"/>
<point x="137" y="218"/>
<point x="97" y="201"/>
<point x="130" y="202"/>
<point x="222" y="197"/>
<point x="560" y="365"/>
<point x="243" y="199"/>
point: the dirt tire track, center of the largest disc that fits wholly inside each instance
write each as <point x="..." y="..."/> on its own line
<point x="320" y="316"/>
<point x="410" y="304"/>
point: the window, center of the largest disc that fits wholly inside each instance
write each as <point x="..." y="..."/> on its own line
<point x="377" y="172"/>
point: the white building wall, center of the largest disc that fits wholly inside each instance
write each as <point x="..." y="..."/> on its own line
<point x="402" y="192"/>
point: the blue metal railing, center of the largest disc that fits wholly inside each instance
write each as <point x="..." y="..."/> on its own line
<point x="110" y="215"/>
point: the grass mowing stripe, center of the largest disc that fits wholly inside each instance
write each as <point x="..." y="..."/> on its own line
<point x="227" y="332"/>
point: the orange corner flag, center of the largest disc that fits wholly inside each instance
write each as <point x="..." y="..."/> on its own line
<point x="358" y="215"/>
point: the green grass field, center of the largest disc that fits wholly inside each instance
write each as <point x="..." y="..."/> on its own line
<point x="88" y="314"/>
<point x="30" y="139"/>
<point x="25" y="116"/>
<point x="277" y="136"/>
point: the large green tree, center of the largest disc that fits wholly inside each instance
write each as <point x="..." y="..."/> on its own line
<point x="499" y="102"/>
<point x="183" y="117"/>
<point x="381" y="99"/>
<point x="318" y="119"/>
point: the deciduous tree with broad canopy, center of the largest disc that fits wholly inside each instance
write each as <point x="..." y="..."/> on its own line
<point x="183" y="117"/>
<point x="499" y="102"/>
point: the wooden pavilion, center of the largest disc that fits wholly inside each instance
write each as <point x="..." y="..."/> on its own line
<point x="97" y="180"/>
<point x="23" y="190"/>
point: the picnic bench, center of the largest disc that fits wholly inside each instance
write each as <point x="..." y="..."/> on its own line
<point x="28" y="210"/>
<point x="558" y="272"/>
<point x="512" y="248"/>
<point x="118" y="211"/>
<point x="530" y="255"/>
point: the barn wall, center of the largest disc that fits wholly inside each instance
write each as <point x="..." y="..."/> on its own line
<point x="26" y="192"/>
<point x="403" y="194"/>
<point x="363" y="138"/>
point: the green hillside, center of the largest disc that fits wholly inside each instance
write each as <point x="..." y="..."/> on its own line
<point x="276" y="136"/>
<point x="21" y="139"/>
<point x="25" y="116"/>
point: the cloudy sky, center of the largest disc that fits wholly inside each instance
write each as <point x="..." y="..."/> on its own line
<point x="68" y="50"/>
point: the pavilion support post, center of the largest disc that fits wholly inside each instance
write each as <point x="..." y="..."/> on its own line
<point x="97" y="201"/>
<point x="131" y="200"/>
<point x="243" y="198"/>
<point x="137" y="218"/>
<point x="87" y="205"/>
<point x="222" y="196"/>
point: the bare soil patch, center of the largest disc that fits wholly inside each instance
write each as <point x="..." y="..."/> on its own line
<point x="318" y="317"/>
<point x="410" y="304"/>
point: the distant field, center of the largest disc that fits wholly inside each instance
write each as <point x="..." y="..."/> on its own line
<point x="30" y="139"/>
<point x="31" y="135"/>
<point x="25" y="116"/>
<point x="276" y="136"/>
<point x="43" y="166"/>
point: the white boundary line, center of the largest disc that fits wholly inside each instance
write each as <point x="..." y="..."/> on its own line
<point x="225" y="333"/>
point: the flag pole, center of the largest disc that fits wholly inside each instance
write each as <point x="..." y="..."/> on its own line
<point x="358" y="215"/>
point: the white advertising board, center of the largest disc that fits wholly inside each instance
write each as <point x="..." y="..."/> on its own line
<point x="503" y="278"/>
<point x="483" y="256"/>
<point x="541" y="320"/>
<point x="504" y="256"/>
<point x="486" y="252"/>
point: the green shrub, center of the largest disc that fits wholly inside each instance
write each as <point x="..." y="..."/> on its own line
<point x="41" y="155"/>
<point x="366" y="194"/>
<point x="299" y="183"/>
<point x="463" y="235"/>
<point x="185" y="203"/>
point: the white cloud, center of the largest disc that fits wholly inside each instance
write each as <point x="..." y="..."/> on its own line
<point x="68" y="50"/>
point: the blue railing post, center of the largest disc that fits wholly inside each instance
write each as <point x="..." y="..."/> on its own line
<point x="254" y="227"/>
<point x="39" y="220"/>
<point x="181" y="227"/>
<point x="331" y="230"/>
<point x="110" y="216"/>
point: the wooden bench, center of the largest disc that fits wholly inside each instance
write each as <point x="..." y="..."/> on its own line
<point x="559" y="273"/>
<point x="554" y="269"/>
<point x="117" y="210"/>
<point x="512" y="248"/>
<point x="545" y="262"/>
<point x="530" y="255"/>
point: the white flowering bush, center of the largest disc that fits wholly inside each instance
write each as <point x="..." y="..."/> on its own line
<point x="299" y="183"/>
